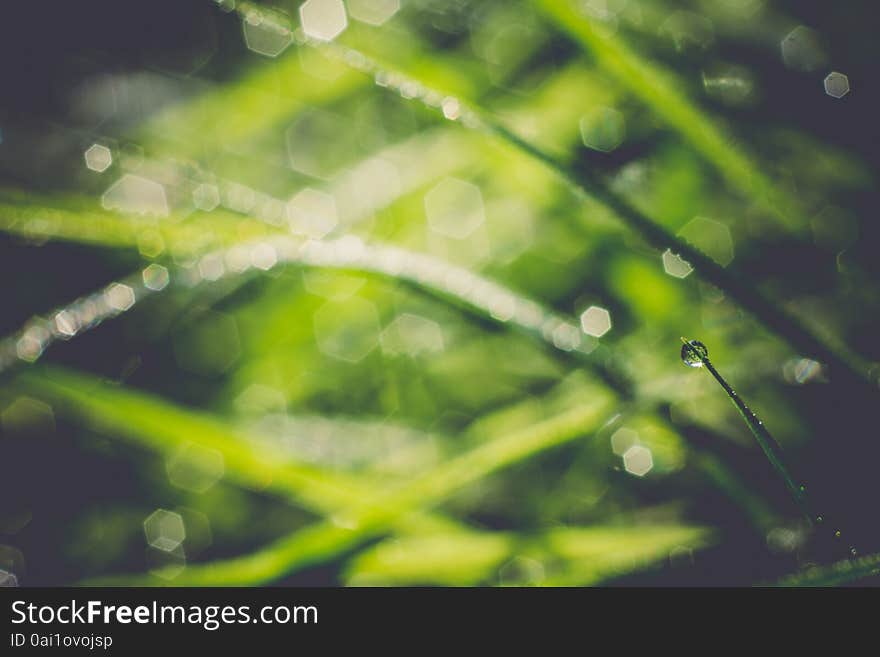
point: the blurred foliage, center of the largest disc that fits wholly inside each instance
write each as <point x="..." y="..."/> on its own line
<point x="417" y="329"/>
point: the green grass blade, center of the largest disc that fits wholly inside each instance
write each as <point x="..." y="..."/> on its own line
<point x="328" y="539"/>
<point x="837" y="574"/>
<point x="659" y="91"/>
<point x="590" y="183"/>
<point x="161" y="426"/>
<point x="567" y="556"/>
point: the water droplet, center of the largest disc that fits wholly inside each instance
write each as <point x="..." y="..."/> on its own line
<point x="819" y="520"/>
<point x="853" y="552"/>
<point x="837" y="534"/>
<point x="693" y="353"/>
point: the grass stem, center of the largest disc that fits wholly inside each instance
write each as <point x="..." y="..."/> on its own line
<point x="695" y="354"/>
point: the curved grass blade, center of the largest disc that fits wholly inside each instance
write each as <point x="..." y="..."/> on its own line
<point x="565" y="556"/>
<point x="591" y="183"/>
<point x="374" y="515"/>
<point x="659" y="91"/>
<point x="164" y="427"/>
<point x="425" y="272"/>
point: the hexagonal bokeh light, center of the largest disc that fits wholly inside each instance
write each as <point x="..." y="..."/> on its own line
<point x="454" y="208"/>
<point x="164" y="530"/>
<point x="347" y="330"/>
<point x="312" y="212"/>
<point x="623" y="439"/>
<point x="136" y="195"/>
<point x="603" y="130"/>
<point x="119" y="297"/>
<point x="206" y="197"/>
<point x="675" y="265"/>
<point x="323" y="20"/>
<point x="711" y="237"/>
<point x="836" y="84"/>
<point x="98" y="158"/>
<point x="266" y="33"/>
<point x="802" y="49"/>
<point x="638" y="460"/>
<point x="596" y="321"/>
<point x="155" y="277"/>
<point x="412" y="335"/>
<point x="195" y="468"/>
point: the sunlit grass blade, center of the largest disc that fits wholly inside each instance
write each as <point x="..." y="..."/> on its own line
<point x="372" y="517"/>
<point x="592" y="554"/>
<point x="81" y="221"/>
<point x="591" y="184"/>
<point x="567" y="556"/>
<point x="164" y="427"/>
<point x="659" y="91"/>
<point x="424" y="272"/>
<point x="232" y="114"/>
<point x="440" y="559"/>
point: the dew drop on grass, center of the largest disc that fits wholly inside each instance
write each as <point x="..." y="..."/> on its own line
<point x="693" y="353"/>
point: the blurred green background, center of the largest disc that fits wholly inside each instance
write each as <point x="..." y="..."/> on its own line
<point x="391" y="293"/>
